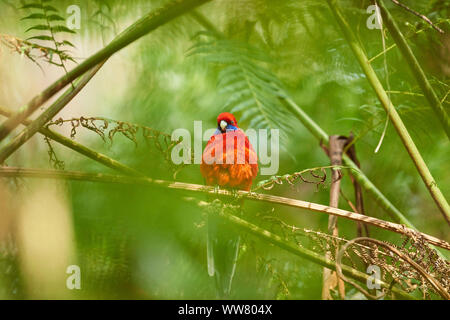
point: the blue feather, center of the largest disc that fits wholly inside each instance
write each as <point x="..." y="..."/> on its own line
<point x="229" y="128"/>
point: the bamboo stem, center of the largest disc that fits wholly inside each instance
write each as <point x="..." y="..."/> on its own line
<point x="145" y="181"/>
<point x="77" y="147"/>
<point x="414" y="153"/>
<point x="138" y="29"/>
<point x="416" y="69"/>
<point x="203" y="21"/>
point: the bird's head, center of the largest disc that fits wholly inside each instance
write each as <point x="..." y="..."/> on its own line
<point x="226" y="121"/>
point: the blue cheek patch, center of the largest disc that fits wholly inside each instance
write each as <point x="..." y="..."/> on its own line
<point x="229" y="128"/>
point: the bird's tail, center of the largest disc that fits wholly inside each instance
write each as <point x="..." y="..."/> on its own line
<point x="222" y="253"/>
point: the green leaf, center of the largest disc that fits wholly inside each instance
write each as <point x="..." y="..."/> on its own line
<point x="55" y="17"/>
<point x="38" y="27"/>
<point x="242" y="105"/>
<point x="50" y="9"/>
<point x="250" y="113"/>
<point x="41" y="37"/>
<point x="237" y="98"/>
<point x="34" y="16"/>
<point x="32" y="5"/>
<point x="59" y="29"/>
<point x="67" y="43"/>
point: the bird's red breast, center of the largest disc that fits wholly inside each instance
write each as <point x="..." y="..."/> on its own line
<point x="229" y="159"/>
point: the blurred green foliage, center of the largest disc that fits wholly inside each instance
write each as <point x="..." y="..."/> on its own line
<point x="141" y="242"/>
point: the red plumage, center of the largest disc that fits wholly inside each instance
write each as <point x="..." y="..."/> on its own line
<point x="231" y="164"/>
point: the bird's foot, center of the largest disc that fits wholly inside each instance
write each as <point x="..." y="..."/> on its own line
<point x="235" y="192"/>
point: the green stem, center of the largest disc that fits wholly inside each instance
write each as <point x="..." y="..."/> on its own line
<point x="46" y="116"/>
<point x="416" y="70"/>
<point x="146" y="181"/>
<point x="77" y="147"/>
<point x="140" y="28"/>
<point x="203" y="21"/>
<point x="394" y="45"/>
<point x="52" y="34"/>
<point x="414" y="153"/>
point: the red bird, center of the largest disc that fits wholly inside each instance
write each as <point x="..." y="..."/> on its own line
<point x="228" y="161"/>
<point x="231" y="164"/>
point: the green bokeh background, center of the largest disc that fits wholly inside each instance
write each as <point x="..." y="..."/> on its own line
<point x="150" y="243"/>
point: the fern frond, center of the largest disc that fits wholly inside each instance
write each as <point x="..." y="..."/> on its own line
<point x="252" y="90"/>
<point x="49" y="23"/>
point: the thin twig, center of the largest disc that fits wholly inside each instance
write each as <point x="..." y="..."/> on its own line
<point x="392" y="46"/>
<point x="418" y="14"/>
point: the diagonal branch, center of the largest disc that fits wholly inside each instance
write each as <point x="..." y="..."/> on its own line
<point x="418" y="14"/>
<point x="416" y="69"/>
<point x="138" y="29"/>
<point x="403" y="133"/>
<point x="77" y="147"/>
<point x="46" y="116"/>
<point x="146" y="181"/>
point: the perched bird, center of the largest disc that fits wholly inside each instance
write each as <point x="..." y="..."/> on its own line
<point x="229" y="161"/>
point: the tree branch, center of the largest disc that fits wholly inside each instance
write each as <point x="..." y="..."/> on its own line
<point x="145" y="181"/>
<point x="418" y="14"/>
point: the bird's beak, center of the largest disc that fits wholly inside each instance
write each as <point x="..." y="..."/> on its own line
<point x="223" y="125"/>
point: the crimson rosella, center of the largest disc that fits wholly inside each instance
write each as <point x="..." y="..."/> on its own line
<point x="228" y="161"/>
